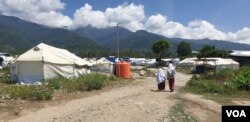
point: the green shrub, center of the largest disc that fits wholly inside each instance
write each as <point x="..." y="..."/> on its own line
<point x="55" y="83"/>
<point x="242" y="81"/>
<point x="223" y="80"/>
<point x="5" y="76"/>
<point x="112" y="78"/>
<point x="45" y="92"/>
<point x="243" y="69"/>
<point x="6" y="79"/>
<point x="30" y="92"/>
<point x="84" y="82"/>
<point x="225" y="75"/>
<point x="210" y="86"/>
<point x="71" y="86"/>
<point x="95" y="81"/>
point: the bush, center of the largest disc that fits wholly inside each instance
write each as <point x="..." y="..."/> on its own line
<point x="210" y="86"/>
<point x="5" y="76"/>
<point x="30" y="92"/>
<point x="55" y="83"/>
<point x="95" y="81"/>
<point x="6" y="79"/>
<point x="44" y="92"/>
<point x="84" y="82"/>
<point x="242" y="81"/>
<point x="225" y="75"/>
<point x="226" y="81"/>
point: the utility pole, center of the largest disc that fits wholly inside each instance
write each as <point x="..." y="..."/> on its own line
<point x="117" y="41"/>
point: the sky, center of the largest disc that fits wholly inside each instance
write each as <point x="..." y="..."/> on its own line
<point x="189" y="19"/>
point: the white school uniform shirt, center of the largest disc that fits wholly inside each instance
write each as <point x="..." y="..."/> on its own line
<point x="160" y="76"/>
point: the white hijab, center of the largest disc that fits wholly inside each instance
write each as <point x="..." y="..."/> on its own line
<point x="170" y="68"/>
<point x="160" y="76"/>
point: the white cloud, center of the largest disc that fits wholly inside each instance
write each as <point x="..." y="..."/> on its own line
<point x="200" y="29"/>
<point x="38" y="11"/>
<point x="129" y="16"/>
<point x="159" y="24"/>
<point x="197" y="29"/>
<point x="87" y="16"/>
<point x="241" y="36"/>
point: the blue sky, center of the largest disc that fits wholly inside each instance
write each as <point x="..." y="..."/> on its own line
<point x="226" y="15"/>
<point x="190" y="19"/>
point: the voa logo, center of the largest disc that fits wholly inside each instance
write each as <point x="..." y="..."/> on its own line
<point x="236" y="113"/>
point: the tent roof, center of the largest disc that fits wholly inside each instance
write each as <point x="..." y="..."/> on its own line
<point x="188" y="60"/>
<point x="240" y="53"/>
<point x="226" y="61"/>
<point x="46" y="53"/>
<point x="103" y="61"/>
<point x="210" y="61"/>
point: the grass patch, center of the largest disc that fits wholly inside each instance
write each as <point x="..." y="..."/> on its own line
<point x="87" y="82"/>
<point x="27" y="92"/>
<point x="210" y="86"/>
<point x="222" y="86"/>
<point x="5" y="76"/>
<point x="177" y="114"/>
<point x="185" y="70"/>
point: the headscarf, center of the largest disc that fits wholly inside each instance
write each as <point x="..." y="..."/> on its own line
<point x="160" y="76"/>
<point x="171" y="68"/>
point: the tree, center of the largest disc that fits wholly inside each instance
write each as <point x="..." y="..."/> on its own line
<point x="160" y="47"/>
<point x="211" y="51"/>
<point x="184" y="49"/>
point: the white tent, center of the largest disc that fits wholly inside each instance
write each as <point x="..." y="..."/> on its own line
<point x="240" y="53"/>
<point x="226" y="64"/>
<point x="103" y="65"/>
<point x="151" y="62"/>
<point x="43" y="62"/>
<point x="219" y="63"/>
<point x="6" y="61"/>
<point x="188" y="62"/>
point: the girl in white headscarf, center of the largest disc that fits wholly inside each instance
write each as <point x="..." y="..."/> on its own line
<point x="170" y="76"/>
<point x="160" y="79"/>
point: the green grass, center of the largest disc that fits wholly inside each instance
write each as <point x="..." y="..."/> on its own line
<point x="222" y="86"/>
<point x="5" y="76"/>
<point x="28" y="92"/>
<point x="85" y="82"/>
<point x="177" y="114"/>
<point x="185" y="70"/>
<point x="210" y="86"/>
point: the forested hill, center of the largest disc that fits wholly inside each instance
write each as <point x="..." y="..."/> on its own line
<point x="142" y="40"/>
<point x="19" y="35"/>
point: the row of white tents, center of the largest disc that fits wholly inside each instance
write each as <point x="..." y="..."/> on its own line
<point x="44" y="62"/>
<point x="149" y="62"/>
<point x="217" y="63"/>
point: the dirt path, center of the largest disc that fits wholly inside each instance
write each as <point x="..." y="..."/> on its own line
<point x="132" y="103"/>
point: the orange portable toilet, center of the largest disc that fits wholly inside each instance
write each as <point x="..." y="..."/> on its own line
<point x="123" y="70"/>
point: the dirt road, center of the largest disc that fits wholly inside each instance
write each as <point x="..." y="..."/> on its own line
<point x="132" y="103"/>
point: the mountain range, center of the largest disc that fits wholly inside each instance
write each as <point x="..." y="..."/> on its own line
<point x="17" y="35"/>
<point x="142" y="40"/>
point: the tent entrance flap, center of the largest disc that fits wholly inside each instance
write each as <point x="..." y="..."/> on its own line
<point x="55" y="70"/>
<point x="30" y="71"/>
